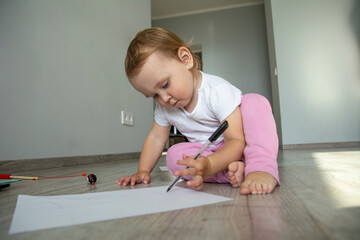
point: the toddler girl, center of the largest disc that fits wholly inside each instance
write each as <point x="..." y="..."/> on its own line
<point x="161" y="66"/>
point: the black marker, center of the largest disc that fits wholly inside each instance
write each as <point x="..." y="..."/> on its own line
<point x="211" y="139"/>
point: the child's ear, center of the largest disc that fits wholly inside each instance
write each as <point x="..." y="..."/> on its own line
<point x="185" y="56"/>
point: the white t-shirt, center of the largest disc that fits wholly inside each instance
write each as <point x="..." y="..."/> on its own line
<point x="217" y="99"/>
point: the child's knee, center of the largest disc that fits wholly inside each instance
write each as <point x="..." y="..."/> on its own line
<point x="176" y="151"/>
<point x="174" y="154"/>
<point x="254" y="103"/>
<point x="255" y="98"/>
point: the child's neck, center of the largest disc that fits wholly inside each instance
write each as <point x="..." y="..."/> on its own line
<point x="197" y="83"/>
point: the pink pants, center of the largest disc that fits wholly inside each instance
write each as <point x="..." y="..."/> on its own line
<point x="261" y="149"/>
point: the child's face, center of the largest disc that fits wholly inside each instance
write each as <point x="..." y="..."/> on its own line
<point x="166" y="79"/>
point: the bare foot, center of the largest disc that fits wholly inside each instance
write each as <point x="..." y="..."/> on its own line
<point x="258" y="183"/>
<point x="236" y="173"/>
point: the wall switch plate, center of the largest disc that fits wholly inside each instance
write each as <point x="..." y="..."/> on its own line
<point x="127" y="118"/>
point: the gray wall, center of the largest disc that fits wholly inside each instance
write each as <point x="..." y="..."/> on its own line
<point x="234" y="44"/>
<point x="62" y="81"/>
<point x="318" y="59"/>
<point x="317" y="90"/>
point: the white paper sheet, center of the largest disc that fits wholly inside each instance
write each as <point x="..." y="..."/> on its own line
<point x="43" y="212"/>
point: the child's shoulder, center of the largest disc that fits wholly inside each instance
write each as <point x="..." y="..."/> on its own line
<point x="213" y="80"/>
<point x="215" y="83"/>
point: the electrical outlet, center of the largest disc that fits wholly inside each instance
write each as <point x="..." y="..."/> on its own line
<point x="127" y="118"/>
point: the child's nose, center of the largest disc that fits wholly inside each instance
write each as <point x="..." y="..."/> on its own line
<point x="165" y="97"/>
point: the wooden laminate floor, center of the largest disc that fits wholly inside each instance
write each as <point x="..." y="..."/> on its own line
<point x="319" y="198"/>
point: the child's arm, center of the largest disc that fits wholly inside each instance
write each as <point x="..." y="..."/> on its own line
<point x="153" y="147"/>
<point x="234" y="143"/>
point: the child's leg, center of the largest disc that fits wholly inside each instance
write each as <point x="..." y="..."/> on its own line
<point x="191" y="149"/>
<point x="261" y="148"/>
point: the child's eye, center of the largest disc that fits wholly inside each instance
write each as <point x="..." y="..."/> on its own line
<point x="165" y="85"/>
<point x="155" y="96"/>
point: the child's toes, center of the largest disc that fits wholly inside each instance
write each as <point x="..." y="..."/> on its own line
<point x="253" y="188"/>
<point x="245" y="188"/>
<point x="265" y="188"/>
<point x="271" y="188"/>
<point x="259" y="188"/>
<point x="236" y="173"/>
<point x="234" y="183"/>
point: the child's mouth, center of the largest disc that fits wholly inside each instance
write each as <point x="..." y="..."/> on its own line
<point x="175" y="103"/>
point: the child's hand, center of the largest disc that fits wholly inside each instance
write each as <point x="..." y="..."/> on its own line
<point x="197" y="168"/>
<point x="134" y="179"/>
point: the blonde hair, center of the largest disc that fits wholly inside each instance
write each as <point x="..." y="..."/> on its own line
<point x="154" y="39"/>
